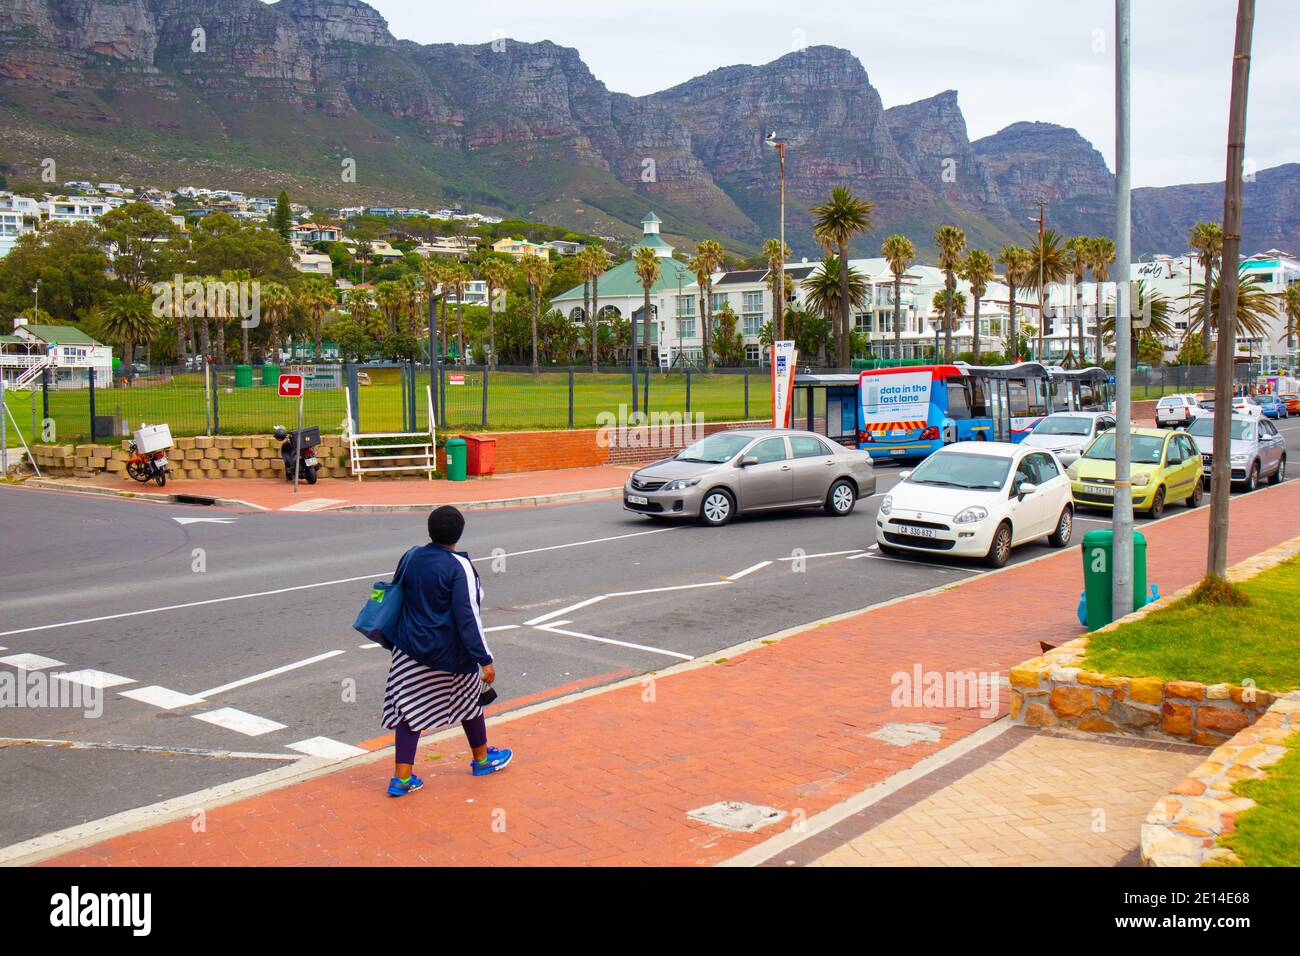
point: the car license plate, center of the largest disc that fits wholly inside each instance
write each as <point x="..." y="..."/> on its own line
<point x="309" y="462"/>
<point x="637" y="500"/>
<point x="917" y="532"/>
<point x="1099" y="490"/>
<point x="897" y="451"/>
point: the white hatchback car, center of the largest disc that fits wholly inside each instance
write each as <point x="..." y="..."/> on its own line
<point x="978" y="499"/>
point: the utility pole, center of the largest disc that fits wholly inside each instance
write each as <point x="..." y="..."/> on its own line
<point x="779" y="278"/>
<point x="1042" y="315"/>
<point x="1122" y="515"/>
<point x="1221" y="469"/>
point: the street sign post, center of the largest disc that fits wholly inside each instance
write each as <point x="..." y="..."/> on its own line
<point x="291" y="386"/>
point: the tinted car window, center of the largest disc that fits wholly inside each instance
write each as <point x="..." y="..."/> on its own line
<point x="1044" y="469"/>
<point x="769" y="449"/>
<point x="805" y="446"/>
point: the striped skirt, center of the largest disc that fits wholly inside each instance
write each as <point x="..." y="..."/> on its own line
<point x="427" y="699"/>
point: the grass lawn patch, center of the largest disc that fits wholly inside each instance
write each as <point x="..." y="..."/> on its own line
<point x="1213" y="642"/>
<point x="1269" y="834"/>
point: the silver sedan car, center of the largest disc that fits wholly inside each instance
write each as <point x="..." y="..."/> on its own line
<point x="1068" y="433"/>
<point x="735" y="472"/>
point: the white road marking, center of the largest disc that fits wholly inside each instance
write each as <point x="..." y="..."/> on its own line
<point x="749" y="570"/>
<point x="601" y="597"/>
<point x="313" y="504"/>
<point x="30" y="662"/>
<point x="609" y="640"/>
<point x="366" y="646"/>
<point x="824" y="554"/>
<point x="203" y="520"/>
<point x="919" y="564"/>
<point x="93" y="678"/>
<point x="144" y="748"/>
<point x="501" y="627"/>
<point x="157" y="696"/>
<point x="326" y="748"/>
<point x="303" y="587"/>
<point x="239" y="721"/>
<point x="274" y="672"/>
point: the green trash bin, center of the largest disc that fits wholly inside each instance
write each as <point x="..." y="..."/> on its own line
<point x="270" y="374"/>
<point x="243" y="376"/>
<point x="1098" y="560"/>
<point x="457" y="457"/>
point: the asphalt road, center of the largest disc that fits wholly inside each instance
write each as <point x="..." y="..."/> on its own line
<point x="245" y="618"/>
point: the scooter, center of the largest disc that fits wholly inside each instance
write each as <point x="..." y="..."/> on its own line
<point x="307" y="464"/>
<point x="147" y="466"/>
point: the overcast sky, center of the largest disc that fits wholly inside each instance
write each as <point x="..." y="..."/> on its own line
<point x="1009" y="60"/>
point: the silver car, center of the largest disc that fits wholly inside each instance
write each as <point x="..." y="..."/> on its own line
<point x="1258" y="449"/>
<point x="735" y="472"/>
<point x="1068" y="433"/>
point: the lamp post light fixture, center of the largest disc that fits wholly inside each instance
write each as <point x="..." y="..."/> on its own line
<point x="779" y="279"/>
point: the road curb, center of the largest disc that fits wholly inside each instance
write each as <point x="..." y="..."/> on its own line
<point x="526" y="501"/>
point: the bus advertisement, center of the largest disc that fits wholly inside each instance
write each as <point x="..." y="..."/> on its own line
<point x="907" y="413"/>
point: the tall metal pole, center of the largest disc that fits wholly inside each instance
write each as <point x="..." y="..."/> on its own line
<point x="780" y="275"/>
<point x="1221" y="468"/>
<point x="1122" y="573"/>
<point x="1042" y="312"/>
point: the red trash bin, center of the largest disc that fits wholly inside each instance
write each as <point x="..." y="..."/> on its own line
<point x="482" y="454"/>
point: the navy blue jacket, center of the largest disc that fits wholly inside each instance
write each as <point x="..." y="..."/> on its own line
<point x="440" y="625"/>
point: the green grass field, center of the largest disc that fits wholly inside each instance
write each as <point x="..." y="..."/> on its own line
<point x="516" y="401"/>
<point x="1269" y="834"/>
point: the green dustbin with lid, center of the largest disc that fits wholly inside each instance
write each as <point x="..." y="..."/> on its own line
<point x="243" y="376"/>
<point x="1098" y="565"/>
<point x="270" y="374"/>
<point x="457" y="457"/>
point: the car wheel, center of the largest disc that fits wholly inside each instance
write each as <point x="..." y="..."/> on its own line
<point x="1252" y="480"/>
<point x="1064" y="529"/>
<point x="1279" y="476"/>
<point x="1157" y="503"/>
<point x="1000" y="549"/>
<point x="840" y="499"/>
<point x="1198" y="491"/>
<point x="717" y="508"/>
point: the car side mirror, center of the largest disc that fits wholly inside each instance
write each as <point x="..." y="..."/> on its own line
<point x="904" y="475"/>
<point x="1026" y="488"/>
<point x="748" y="460"/>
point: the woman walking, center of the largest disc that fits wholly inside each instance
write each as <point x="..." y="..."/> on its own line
<point x="441" y="662"/>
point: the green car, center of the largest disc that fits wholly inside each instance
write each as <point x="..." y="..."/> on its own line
<point x="1166" y="468"/>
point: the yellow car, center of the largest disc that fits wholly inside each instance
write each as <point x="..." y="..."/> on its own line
<point x="1166" y="468"/>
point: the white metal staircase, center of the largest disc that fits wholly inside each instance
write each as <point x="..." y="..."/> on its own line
<point x="371" y="452"/>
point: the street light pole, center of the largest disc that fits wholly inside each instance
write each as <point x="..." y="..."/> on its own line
<point x="1122" y="577"/>
<point x="779" y="278"/>
<point x="1042" y="315"/>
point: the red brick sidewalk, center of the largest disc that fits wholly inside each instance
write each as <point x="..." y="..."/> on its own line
<point x="329" y="494"/>
<point x="609" y="778"/>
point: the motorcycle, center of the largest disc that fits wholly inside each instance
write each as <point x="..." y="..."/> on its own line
<point x="307" y="464"/>
<point x="147" y="466"/>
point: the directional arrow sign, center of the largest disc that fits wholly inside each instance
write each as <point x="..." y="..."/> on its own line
<point x="290" y="386"/>
<point x="203" y="520"/>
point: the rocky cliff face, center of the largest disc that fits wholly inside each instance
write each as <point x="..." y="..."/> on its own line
<point x="526" y="127"/>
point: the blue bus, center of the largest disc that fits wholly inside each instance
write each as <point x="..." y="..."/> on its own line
<point x="907" y="413"/>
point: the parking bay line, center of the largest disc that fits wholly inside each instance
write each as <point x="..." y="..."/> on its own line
<point x="749" y="570"/>
<point x="609" y="640"/>
<point x="535" y="622"/>
<point x="274" y="672"/>
<point x="304" y="587"/>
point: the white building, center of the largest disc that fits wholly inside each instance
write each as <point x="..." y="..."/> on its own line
<point x="314" y="263"/>
<point x="70" y="356"/>
<point x="18" y="215"/>
<point x="74" y="208"/>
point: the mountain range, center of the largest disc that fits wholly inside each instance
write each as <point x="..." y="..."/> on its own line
<point x="293" y="95"/>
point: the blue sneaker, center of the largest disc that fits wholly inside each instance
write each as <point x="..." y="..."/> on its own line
<point x="495" y="760"/>
<point x="398" y="789"/>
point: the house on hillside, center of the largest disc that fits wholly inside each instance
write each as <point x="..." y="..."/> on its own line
<point x="70" y="355"/>
<point x="520" y="248"/>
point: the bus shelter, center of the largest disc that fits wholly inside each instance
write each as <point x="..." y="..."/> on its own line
<point x="827" y="403"/>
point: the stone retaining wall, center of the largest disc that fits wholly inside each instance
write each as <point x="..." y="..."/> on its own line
<point x="221" y="456"/>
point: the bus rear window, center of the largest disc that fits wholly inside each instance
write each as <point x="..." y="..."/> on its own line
<point x="958" y="401"/>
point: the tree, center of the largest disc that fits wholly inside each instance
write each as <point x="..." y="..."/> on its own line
<point x="496" y="273"/>
<point x="1206" y="240"/>
<point x="706" y="261"/>
<point x="1153" y="317"/>
<point x="977" y="269"/>
<point x="68" y="262"/>
<point x="1076" y="255"/>
<point x="1291" y="309"/>
<point x="1016" y="262"/>
<point x="728" y="343"/>
<point x="536" y="271"/>
<point x="953" y="306"/>
<point x="282" y="218"/>
<point x="835" y="225"/>
<point x="951" y="243"/>
<point x="825" y="290"/>
<point x="1255" y="306"/>
<point x="1050" y="265"/>
<point x="587" y="269"/>
<point x="776" y="256"/>
<point x="135" y="234"/>
<point x="277" y="299"/>
<point x="220" y="244"/>
<point x="646" y="265"/>
<point x="127" y="319"/>
<point x="459" y="277"/>
<point x="353" y="343"/>
<point x="1101" y="256"/>
<point x="899" y="253"/>
<point x="316" y="297"/>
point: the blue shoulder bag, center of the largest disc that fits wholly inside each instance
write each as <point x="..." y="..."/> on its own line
<point x="378" y="618"/>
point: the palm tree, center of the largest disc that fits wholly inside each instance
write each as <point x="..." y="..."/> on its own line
<point x="1101" y="256"/>
<point x="316" y="298"/>
<point x="496" y="273"/>
<point x="1255" y="306"/>
<point x="1206" y="240"/>
<point x="1050" y="265"/>
<point x="586" y="269"/>
<point x="707" y="260"/>
<point x="1147" y="303"/>
<point x="899" y="253"/>
<point x="433" y="271"/>
<point x="825" y="289"/>
<point x="776" y="256"/>
<point x="950" y="303"/>
<point x="127" y="319"/>
<point x="459" y="277"/>
<point x="977" y="269"/>
<point x="1291" y="308"/>
<point x="1016" y="262"/>
<point x="276" y="300"/>
<point x="951" y="243"/>
<point x="599" y="265"/>
<point x="536" y="271"/>
<point x="646" y="265"/>
<point x="837" y="222"/>
<point x="1076" y="254"/>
